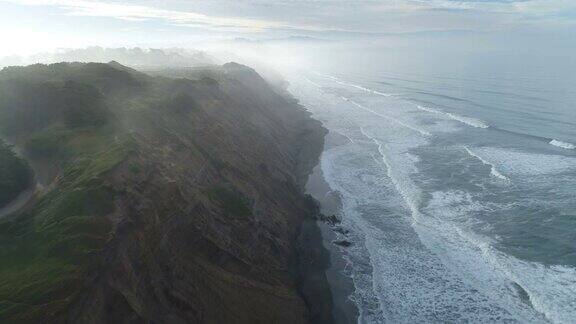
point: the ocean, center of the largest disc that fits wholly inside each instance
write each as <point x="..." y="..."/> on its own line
<point x="457" y="177"/>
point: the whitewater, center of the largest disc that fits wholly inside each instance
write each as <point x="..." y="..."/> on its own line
<point x="455" y="216"/>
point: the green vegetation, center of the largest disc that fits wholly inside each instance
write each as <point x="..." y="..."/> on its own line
<point x="62" y="113"/>
<point x="62" y="144"/>
<point x="29" y="107"/>
<point x="84" y="105"/>
<point x="71" y="117"/>
<point x="180" y="102"/>
<point x="46" y="252"/>
<point x="232" y="202"/>
<point x="15" y="175"/>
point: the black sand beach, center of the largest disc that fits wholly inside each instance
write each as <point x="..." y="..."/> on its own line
<point x="343" y="311"/>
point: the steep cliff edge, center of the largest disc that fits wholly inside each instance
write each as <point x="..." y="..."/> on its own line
<point x="167" y="201"/>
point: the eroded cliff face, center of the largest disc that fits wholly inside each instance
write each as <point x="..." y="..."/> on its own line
<point x="203" y="208"/>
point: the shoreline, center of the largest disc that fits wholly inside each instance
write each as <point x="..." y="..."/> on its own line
<point x="341" y="286"/>
<point x="322" y="282"/>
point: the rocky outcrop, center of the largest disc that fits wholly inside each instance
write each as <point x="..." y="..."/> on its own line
<point x="206" y="206"/>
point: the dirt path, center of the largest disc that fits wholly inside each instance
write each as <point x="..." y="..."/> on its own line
<point x="21" y="201"/>
<point x="41" y="176"/>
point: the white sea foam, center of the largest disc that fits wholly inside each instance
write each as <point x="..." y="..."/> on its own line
<point x="350" y="139"/>
<point x="463" y="119"/>
<point x="561" y="144"/>
<point x="458" y="276"/>
<point x="550" y="288"/>
<point x="339" y="81"/>
<point x="395" y="120"/>
<point x="408" y="191"/>
<point x="457" y="248"/>
<point x="360" y="263"/>
<point x="523" y="163"/>
<point x="313" y="83"/>
<point x="493" y="171"/>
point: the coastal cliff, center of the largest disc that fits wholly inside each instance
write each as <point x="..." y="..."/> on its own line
<point x="166" y="200"/>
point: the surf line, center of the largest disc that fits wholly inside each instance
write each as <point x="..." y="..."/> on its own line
<point x="335" y="79"/>
<point x="401" y="123"/>
<point x="412" y="201"/>
<point x="314" y="83"/>
<point x="564" y="145"/>
<point x="493" y="170"/>
<point x="465" y="120"/>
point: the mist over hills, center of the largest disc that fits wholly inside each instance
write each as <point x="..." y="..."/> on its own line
<point x="136" y="57"/>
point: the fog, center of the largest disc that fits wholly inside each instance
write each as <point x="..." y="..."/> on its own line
<point x="283" y="33"/>
<point x="448" y="169"/>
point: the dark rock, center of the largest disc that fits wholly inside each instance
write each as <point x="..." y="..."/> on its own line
<point x="331" y="220"/>
<point x="341" y="230"/>
<point x="343" y="243"/>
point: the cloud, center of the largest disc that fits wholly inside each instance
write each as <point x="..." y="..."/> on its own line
<point x="517" y="7"/>
<point x="302" y="16"/>
<point x="132" y="12"/>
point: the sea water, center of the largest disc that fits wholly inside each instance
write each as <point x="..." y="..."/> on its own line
<point x="458" y="188"/>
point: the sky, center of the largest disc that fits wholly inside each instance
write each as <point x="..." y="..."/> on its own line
<point x="28" y="26"/>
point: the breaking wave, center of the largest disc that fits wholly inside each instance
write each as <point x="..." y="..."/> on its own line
<point x="399" y="122"/>
<point x="339" y="81"/>
<point x="465" y="120"/>
<point x="493" y="171"/>
<point x="561" y="144"/>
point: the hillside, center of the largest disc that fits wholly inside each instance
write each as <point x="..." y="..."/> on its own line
<point x="15" y="174"/>
<point x="167" y="200"/>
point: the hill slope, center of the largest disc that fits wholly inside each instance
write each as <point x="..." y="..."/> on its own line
<point x="166" y="200"/>
<point x="15" y="175"/>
